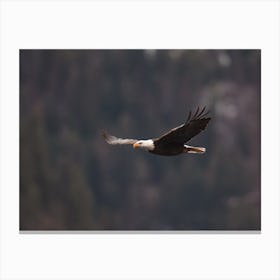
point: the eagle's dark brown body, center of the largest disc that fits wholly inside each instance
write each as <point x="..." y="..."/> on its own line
<point x="167" y="149"/>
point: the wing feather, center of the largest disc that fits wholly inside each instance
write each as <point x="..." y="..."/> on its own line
<point x="194" y="125"/>
<point x="113" y="140"/>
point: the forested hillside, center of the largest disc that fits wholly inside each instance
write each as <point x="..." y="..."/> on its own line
<point x="71" y="179"/>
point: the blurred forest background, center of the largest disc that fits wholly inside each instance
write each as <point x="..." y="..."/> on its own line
<point x="70" y="179"/>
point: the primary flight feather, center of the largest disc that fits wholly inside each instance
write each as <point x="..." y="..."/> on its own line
<point x="174" y="141"/>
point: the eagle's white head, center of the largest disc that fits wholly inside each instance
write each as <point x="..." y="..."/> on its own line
<point x="144" y="144"/>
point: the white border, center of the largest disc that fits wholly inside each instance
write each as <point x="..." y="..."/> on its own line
<point x="155" y="24"/>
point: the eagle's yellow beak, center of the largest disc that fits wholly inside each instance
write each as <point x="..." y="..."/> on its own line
<point x="136" y="145"/>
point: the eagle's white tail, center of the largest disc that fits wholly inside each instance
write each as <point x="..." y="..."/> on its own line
<point x="194" y="150"/>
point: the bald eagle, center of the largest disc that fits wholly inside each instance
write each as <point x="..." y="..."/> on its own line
<point x="174" y="141"/>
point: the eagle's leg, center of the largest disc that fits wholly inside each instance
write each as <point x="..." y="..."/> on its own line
<point x="194" y="150"/>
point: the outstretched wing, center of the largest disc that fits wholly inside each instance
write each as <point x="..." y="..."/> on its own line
<point x="113" y="140"/>
<point x="194" y="125"/>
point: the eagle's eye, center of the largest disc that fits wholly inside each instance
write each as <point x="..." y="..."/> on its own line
<point x="140" y="142"/>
